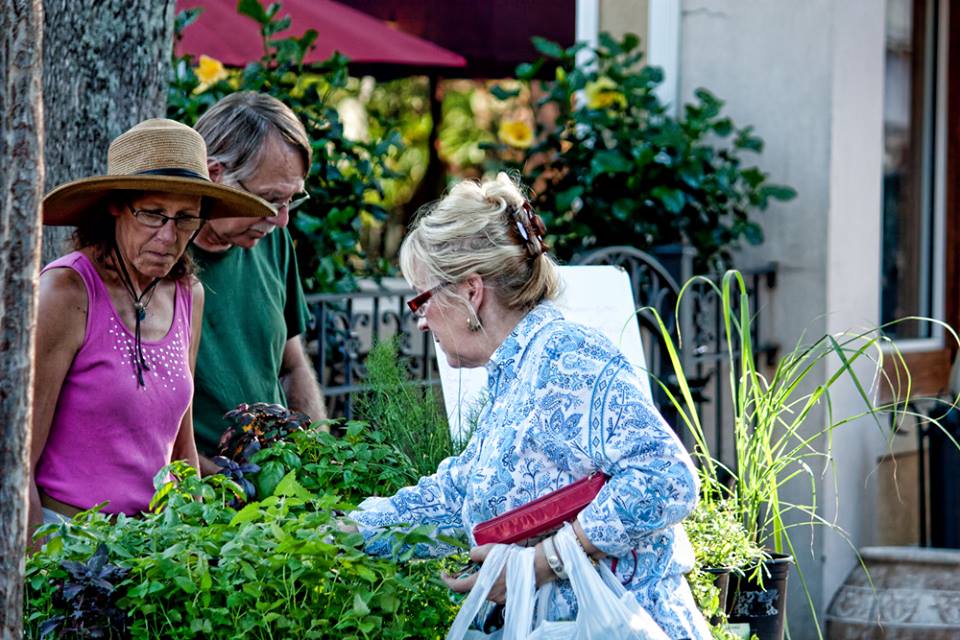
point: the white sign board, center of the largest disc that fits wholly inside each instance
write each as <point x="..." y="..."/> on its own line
<point x="595" y="296"/>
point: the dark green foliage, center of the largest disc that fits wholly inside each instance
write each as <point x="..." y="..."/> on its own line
<point x="277" y="568"/>
<point x="88" y="598"/>
<point x="256" y="426"/>
<point x="408" y="415"/>
<point x="613" y="167"/>
<point x="344" y="182"/>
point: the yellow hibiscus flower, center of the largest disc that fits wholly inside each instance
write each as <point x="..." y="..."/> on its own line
<point x="603" y="94"/>
<point x="516" y="133"/>
<point x="209" y="71"/>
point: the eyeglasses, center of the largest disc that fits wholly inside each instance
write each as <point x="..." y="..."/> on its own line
<point x="290" y="203"/>
<point x="419" y="301"/>
<point x="156" y="219"/>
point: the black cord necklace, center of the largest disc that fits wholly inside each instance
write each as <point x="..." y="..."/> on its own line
<point x="140" y="303"/>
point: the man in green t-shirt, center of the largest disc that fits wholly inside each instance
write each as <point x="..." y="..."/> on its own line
<point x="255" y="311"/>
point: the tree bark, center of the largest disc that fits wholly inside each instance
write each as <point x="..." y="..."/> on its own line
<point x="21" y="147"/>
<point x="105" y="69"/>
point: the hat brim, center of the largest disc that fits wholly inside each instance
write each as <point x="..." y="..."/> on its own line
<point x="69" y="203"/>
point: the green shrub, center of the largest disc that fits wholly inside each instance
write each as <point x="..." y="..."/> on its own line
<point x="280" y="567"/>
<point x="612" y="166"/>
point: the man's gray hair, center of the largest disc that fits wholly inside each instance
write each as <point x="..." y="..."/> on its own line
<point x="237" y="127"/>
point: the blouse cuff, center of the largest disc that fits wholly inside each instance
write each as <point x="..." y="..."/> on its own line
<point x="371" y="517"/>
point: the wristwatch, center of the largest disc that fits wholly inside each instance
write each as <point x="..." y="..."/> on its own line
<point x="553" y="558"/>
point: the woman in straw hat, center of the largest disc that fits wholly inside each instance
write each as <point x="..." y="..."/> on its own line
<point x="119" y="323"/>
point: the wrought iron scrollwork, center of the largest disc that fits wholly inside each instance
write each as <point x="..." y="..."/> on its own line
<point x="345" y="328"/>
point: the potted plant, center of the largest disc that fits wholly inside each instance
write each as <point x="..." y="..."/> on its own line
<point x="773" y="444"/>
<point x="721" y="548"/>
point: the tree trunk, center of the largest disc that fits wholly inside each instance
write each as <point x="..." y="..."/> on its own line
<point x="21" y="147"/>
<point x="104" y="70"/>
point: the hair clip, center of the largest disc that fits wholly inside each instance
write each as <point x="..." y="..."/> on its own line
<point x="531" y="229"/>
<point x="522" y="231"/>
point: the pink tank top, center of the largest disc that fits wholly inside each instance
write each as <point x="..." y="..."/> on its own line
<point x="109" y="436"/>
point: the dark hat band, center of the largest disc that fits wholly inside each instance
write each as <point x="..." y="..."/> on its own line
<point x="173" y="173"/>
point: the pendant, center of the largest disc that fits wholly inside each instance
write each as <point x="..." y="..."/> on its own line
<point x="140" y="310"/>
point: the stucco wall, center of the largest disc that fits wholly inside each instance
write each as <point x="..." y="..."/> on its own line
<point x="620" y="17"/>
<point x="808" y="76"/>
<point x="853" y="259"/>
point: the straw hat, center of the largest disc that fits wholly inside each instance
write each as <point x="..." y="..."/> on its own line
<point x="155" y="155"/>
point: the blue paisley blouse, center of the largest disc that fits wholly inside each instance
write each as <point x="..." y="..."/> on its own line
<point x="563" y="403"/>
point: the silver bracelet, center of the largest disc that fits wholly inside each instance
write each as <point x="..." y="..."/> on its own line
<point x="553" y="558"/>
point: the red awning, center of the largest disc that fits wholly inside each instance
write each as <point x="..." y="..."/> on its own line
<point x="233" y="39"/>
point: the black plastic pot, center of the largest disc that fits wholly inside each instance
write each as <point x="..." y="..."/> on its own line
<point x="763" y="608"/>
<point x="721" y="580"/>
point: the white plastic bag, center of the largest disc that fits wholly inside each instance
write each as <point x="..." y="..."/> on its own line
<point x="521" y="595"/>
<point x="606" y="611"/>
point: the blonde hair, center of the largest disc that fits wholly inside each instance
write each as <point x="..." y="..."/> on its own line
<point x="474" y="230"/>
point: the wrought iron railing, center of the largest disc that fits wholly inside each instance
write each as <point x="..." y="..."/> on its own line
<point x="345" y="328"/>
<point x="347" y="325"/>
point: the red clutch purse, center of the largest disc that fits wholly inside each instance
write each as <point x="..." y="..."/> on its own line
<point x="544" y="514"/>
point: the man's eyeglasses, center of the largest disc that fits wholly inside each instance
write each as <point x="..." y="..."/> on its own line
<point x="420" y="300"/>
<point x="156" y="219"/>
<point x="290" y="203"/>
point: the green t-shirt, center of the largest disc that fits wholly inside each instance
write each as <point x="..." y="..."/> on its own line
<point x="254" y="303"/>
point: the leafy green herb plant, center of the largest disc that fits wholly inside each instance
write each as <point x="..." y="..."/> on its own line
<point x="280" y="567"/>
<point x="720" y="545"/>
<point x="360" y="463"/>
<point x="407" y="414"/>
<point x="719" y="539"/>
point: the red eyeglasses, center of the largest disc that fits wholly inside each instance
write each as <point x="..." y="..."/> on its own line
<point x="417" y="302"/>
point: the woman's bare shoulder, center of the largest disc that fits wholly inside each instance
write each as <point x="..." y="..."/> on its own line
<point x="62" y="286"/>
<point x="63" y="299"/>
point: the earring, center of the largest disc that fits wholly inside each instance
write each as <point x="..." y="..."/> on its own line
<point x="473" y="325"/>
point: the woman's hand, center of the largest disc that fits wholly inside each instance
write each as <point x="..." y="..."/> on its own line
<point x="346" y="526"/>
<point x="463" y="584"/>
<point x="498" y="592"/>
